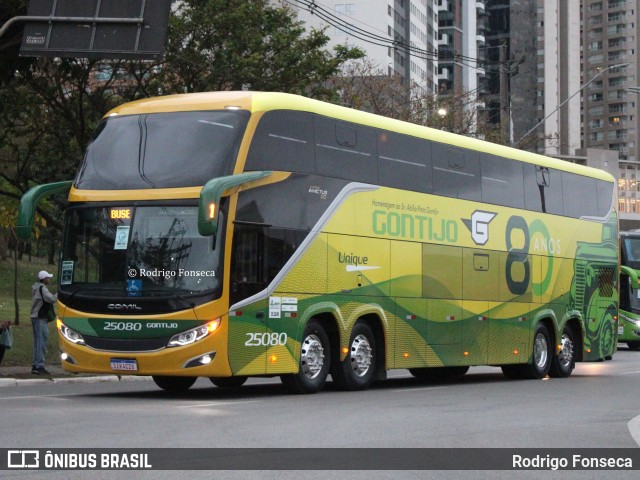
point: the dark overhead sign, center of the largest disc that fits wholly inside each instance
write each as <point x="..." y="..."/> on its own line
<point x="96" y="28"/>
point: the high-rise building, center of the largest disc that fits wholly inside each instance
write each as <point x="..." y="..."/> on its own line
<point x="398" y="36"/>
<point x="611" y="37"/>
<point x="543" y="68"/>
<point x="462" y="30"/>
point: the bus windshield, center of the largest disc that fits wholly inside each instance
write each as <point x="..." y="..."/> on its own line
<point x="631" y="252"/>
<point x="162" y="150"/>
<point x="144" y="251"/>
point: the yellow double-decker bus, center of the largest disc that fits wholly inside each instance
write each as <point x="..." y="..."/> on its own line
<point x="236" y="234"/>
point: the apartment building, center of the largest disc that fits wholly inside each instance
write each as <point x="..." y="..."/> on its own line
<point x="462" y="30"/>
<point x="399" y="36"/>
<point x="610" y="109"/>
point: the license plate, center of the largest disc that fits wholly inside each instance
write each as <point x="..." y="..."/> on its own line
<point x="127" y="364"/>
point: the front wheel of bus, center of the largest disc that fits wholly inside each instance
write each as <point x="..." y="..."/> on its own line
<point x="313" y="368"/>
<point x="174" y="384"/>
<point x="357" y="370"/>
<point x="228" y="382"/>
<point x="565" y="361"/>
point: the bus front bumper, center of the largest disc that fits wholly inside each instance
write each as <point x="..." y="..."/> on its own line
<point x="205" y="358"/>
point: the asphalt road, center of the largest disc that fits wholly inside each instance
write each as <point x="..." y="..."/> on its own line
<point x="595" y="407"/>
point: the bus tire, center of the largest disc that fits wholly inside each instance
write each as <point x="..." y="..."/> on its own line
<point x="633" y="345"/>
<point x="357" y="370"/>
<point x="228" y="382"/>
<point x="315" y="361"/>
<point x="564" y="362"/>
<point x="439" y="373"/>
<point x="541" y="356"/>
<point x="174" y="384"/>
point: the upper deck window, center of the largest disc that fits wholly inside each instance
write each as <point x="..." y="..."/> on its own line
<point x="162" y="150"/>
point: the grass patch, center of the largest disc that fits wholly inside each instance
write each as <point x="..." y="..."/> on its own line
<point x="22" y="352"/>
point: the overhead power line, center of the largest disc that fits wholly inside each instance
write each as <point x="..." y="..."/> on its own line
<point x="336" y="21"/>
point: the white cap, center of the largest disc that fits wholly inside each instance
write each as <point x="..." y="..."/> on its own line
<point x="42" y="274"/>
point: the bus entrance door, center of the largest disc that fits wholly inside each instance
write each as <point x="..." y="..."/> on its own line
<point x="248" y="321"/>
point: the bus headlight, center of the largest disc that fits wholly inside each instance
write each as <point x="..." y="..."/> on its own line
<point x="193" y="335"/>
<point x="71" y="335"/>
<point x="633" y="321"/>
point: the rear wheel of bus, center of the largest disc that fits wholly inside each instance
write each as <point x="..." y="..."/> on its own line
<point x="315" y="355"/>
<point x="565" y="361"/>
<point x="174" y="384"/>
<point x="357" y="370"/>
<point x="541" y="358"/>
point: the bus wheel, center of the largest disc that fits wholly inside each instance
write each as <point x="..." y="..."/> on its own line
<point x="357" y="370"/>
<point x="228" y="382"/>
<point x="564" y="362"/>
<point x="633" y="345"/>
<point x="542" y="354"/>
<point x="314" y="364"/>
<point x="540" y="361"/>
<point x="438" y="373"/>
<point x="174" y="384"/>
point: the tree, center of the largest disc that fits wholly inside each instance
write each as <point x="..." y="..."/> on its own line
<point x="364" y="86"/>
<point x="228" y="45"/>
<point x="50" y="107"/>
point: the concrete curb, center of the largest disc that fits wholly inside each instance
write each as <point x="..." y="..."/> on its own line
<point x="20" y="382"/>
<point x="8" y="382"/>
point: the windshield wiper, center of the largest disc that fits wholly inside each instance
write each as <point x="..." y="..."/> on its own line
<point x="172" y="293"/>
<point x="86" y="289"/>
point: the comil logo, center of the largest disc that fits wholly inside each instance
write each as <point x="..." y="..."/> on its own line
<point x="479" y="226"/>
<point x="23" y="459"/>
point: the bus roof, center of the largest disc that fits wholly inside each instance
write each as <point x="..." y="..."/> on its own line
<point x="264" y="101"/>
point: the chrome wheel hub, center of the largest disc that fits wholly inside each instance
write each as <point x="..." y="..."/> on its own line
<point x="311" y="356"/>
<point x="361" y="355"/>
<point x="565" y="355"/>
<point x="540" y="350"/>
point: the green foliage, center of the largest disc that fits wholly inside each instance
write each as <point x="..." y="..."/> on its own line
<point x="229" y="45"/>
<point x="22" y="351"/>
<point x="50" y="107"/>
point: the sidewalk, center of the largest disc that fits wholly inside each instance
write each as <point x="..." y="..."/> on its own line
<point x="14" y="376"/>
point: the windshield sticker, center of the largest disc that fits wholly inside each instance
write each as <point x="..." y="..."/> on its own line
<point x="122" y="237"/>
<point x="134" y="287"/>
<point x="66" y="276"/>
<point x="274" y="307"/>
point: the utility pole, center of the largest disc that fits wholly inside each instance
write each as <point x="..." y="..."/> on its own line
<point x="504" y="92"/>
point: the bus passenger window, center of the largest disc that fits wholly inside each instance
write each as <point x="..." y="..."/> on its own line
<point x="543" y="189"/>
<point x="345" y="150"/>
<point x="456" y="173"/>
<point x="404" y="162"/>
